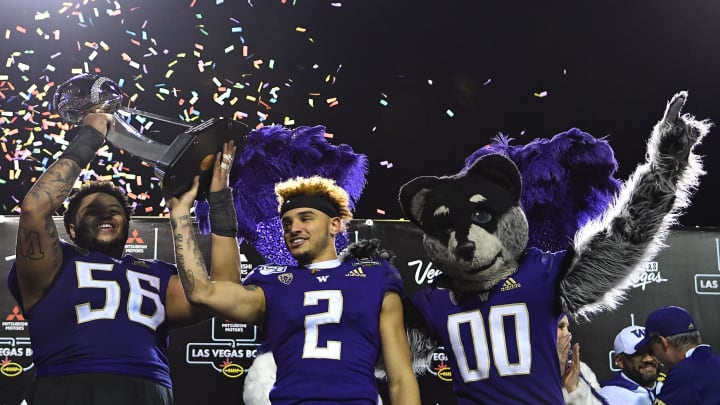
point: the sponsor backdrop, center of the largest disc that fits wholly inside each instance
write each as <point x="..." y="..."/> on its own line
<point x="209" y="360"/>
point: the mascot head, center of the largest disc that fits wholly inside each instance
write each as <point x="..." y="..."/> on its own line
<point x="473" y="225"/>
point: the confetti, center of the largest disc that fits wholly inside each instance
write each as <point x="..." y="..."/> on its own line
<point x="197" y="73"/>
<point x="42" y="15"/>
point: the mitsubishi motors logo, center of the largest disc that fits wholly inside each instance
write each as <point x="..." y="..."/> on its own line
<point x="15" y="315"/>
<point x="14" y="321"/>
<point x="134" y="238"/>
<point x="135" y="243"/>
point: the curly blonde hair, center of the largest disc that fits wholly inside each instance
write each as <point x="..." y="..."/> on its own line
<point x="315" y="186"/>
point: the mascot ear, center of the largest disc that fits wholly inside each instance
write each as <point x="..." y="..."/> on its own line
<point x="498" y="169"/>
<point x="413" y="196"/>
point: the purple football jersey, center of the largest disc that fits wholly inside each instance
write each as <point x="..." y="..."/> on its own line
<point x="322" y="327"/>
<point x="503" y="350"/>
<point x="101" y="315"/>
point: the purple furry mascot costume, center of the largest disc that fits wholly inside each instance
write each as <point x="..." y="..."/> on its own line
<point x="567" y="180"/>
<point x="520" y="242"/>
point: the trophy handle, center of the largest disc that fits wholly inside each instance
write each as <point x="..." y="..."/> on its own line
<point x="131" y="111"/>
<point x="124" y="136"/>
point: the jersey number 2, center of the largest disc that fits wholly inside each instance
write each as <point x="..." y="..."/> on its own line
<point x="313" y="322"/>
<point x="85" y="312"/>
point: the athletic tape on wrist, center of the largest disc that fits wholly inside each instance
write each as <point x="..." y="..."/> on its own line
<point x="82" y="149"/>
<point x="223" y="219"/>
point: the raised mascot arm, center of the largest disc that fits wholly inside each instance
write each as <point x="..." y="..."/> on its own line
<point x="610" y="250"/>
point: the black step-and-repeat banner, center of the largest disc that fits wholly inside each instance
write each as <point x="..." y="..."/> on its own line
<point x="217" y="353"/>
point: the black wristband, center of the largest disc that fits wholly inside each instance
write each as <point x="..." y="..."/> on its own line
<point x="82" y="149"/>
<point x="223" y="218"/>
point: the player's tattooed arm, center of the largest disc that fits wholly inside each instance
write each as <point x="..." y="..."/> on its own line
<point x="37" y="251"/>
<point x="224" y="298"/>
<point x="190" y="263"/>
<point x="244" y="303"/>
<point x="53" y="187"/>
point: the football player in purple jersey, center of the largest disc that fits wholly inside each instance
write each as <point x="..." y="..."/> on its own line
<point x="326" y="320"/>
<point x="99" y="320"/>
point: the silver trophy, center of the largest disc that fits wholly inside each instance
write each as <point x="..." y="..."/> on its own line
<point x="191" y="153"/>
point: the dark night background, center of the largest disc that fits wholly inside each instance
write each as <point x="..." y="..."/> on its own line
<point x="417" y="86"/>
<point x="420" y="85"/>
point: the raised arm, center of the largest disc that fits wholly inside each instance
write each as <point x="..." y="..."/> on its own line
<point x="402" y="383"/>
<point x="608" y="251"/>
<point x="38" y="252"/>
<point x="225" y="298"/>
<point x="225" y="255"/>
<point x="225" y="252"/>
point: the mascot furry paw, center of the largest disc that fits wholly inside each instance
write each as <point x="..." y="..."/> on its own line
<point x="497" y="307"/>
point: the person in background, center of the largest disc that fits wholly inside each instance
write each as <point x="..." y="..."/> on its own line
<point x="673" y="337"/>
<point x="637" y="381"/>
<point x="580" y="386"/>
<point x="326" y="320"/>
<point x="99" y="319"/>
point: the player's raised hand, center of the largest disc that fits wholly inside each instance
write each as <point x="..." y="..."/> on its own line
<point x="100" y="121"/>
<point x="184" y="202"/>
<point x="223" y="164"/>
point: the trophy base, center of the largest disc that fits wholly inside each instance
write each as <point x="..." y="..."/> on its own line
<point x="193" y="153"/>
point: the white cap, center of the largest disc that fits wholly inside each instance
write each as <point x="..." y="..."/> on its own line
<point x="626" y="340"/>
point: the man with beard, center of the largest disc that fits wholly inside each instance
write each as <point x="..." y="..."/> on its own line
<point x="99" y="320"/>
<point x="637" y="381"/>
